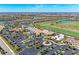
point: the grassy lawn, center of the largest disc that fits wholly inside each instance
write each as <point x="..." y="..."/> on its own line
<point x="27" y="39"/>
<point x="29" y="47"/>
<point x="43" y="50"/>
<point x="58" y="29"/>
<point x="68" y="25"/>
<point x="25" y="32"/>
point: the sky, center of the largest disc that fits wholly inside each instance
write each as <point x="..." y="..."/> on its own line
<point x="39" y="7"/>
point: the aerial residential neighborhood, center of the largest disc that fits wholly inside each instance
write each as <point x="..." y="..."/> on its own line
<point x="39" y="33"/>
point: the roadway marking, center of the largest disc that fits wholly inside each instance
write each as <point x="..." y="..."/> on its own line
<point x="7" y="46"/>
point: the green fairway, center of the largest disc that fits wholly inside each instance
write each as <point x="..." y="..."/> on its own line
<point x="68" y="25"/>
<point x="67" y="28"/>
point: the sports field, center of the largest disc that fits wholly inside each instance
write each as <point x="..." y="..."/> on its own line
<point x="65" y="27"/>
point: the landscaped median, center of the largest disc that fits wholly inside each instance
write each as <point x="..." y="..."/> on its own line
<point x="14" y="49"/>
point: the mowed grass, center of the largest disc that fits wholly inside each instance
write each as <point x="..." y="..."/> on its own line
<point x="57" y="27"/>
<point x="68" y="25"/>
<point x="27" y="39"/>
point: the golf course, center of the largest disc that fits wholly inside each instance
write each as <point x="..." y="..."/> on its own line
<point x="66" y="27"/>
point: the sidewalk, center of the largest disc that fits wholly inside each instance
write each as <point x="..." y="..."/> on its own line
<point x="6" y="47"/>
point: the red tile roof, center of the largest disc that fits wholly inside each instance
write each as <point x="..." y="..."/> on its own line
<point x="37" y="31"/>
<point x="17" y="29"/>
<point x="46" y="32"/>
<point x="73" y="41"/>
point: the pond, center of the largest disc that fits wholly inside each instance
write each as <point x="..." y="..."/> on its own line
<point x="70" y="21"/>
<point x="67" y="20"/>
<point x="3" y="21"/>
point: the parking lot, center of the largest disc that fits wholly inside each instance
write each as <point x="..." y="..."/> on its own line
<point x="22" y="39"/>
<point x="6" y="49"/>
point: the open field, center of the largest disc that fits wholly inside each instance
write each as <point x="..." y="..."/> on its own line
<point x="72" y="25"/>
<point x="67" y="28"/>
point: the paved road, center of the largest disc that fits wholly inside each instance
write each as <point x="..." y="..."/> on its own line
<point x="5" y="47"/>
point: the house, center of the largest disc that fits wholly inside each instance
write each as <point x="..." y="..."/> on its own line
<point x="36" y="31"/>
<point x="47" y="33"/>
<point x="1" y="27"/>
<point x="17" y="29"/>
<point x="29" y="28"/>
<point x="73" y="41"/>
<point x="58" y="37"/>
